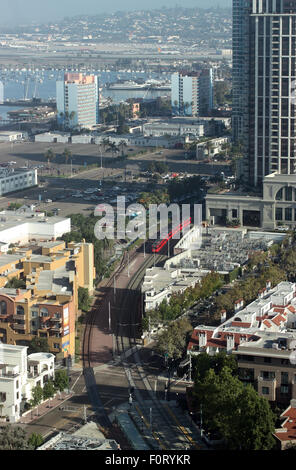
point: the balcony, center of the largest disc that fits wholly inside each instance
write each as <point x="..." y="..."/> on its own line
<point x="19" y="316"/>
<point x="56" y="320"/>
<point x="19" y="326"/>
<point x="56" y="329"/>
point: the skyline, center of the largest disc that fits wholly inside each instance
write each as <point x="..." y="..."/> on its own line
<point x="15" y="12"/>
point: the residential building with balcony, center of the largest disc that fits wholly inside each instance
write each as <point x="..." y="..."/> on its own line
<point x="19" y="374"/>
<point x="262" y="336"/>
<point x="47" y="307"/>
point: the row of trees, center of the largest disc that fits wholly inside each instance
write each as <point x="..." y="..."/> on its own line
<point x="59" y="384"/>
<point x="50" y="156"/>
<point x="178" y="303"/>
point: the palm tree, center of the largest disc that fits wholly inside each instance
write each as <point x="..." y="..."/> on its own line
<point x="105" y="142"/>
<point x="67" y="154"/>
<point x="72" y="115"/>
<point x="112" y="148"/>
<point x="122" y="144"/>
<point x="49" y="155"/>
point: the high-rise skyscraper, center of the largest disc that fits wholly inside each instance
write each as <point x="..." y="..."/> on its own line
<point x="78" y="100"/>
<point x="192" y="93"/>
<point x="264" y="72"/>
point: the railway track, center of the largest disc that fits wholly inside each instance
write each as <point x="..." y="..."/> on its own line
<point x="88" y="372"/>
<point x="127" y="336"/>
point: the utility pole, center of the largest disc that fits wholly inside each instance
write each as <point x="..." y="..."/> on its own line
<point x="84" y="414"/>
<point x="109" y="316"/>
<point x="190" y="366"/>
<point x="114" y="287"/>
<point x="150" y="419"/>
<point x="128" y="265"/>
<point x="201" y="420"/>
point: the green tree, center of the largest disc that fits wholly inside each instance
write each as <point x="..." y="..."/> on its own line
<point x="84" y="299"/>
<point x="67" y="154"/>
<point x="38" y="345"/>
<point x="172" y="342"/>
<point x="15" y="283"/>
<point x="61" y="380"/>
<point x="37" y="395"/>
<point x="35" y="440"/>
<point x="48" y="390"/>
<point x="49" y="156"/>
<point x="13" y="438"/>
<point x="243" y="418"/>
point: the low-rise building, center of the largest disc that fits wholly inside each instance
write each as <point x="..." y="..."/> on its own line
<point x="54" y="137"/>
<point x="275" y="206"/>
<point x="24" y="225"/>
<point x="11" y="136"/>
<point x="286" y="434"/>
<point x="88" y="437"/>
<point x="47" y="307"/>
<point x="262" y="336"/>
<point x="16" y="179"/>
<point x="210" y="148"/>
<point x="19" y="374"/>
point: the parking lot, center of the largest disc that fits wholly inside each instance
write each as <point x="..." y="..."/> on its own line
<point x="63" y="186"/>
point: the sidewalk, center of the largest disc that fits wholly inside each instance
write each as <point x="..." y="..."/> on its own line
<point x="44" y="408"/>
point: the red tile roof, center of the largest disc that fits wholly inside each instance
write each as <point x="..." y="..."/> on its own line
<point x="290" y="427"/>
<point x="279" y="309"/>
<point x="278" y="320"/>
<point x="267" y="323"/>
<point x="240" y="323"/>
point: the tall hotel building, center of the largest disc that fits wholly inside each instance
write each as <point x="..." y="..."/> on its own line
<point x="264" y="115"/>
<point x="192" y="93"/>
<point x="78" y="100"/>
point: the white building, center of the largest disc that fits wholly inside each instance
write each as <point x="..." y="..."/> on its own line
<point x="78" y="100"/>
<point x="53" y="137"/>
<point x="192" y="93"/>
<point x="19" y="374"/>
<point x="173" y="129"/>
<point x="16" y="179"/>
<point x="23" y="226"/>
<point x="10" y="136"/>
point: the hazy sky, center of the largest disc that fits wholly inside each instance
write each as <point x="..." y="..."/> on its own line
<point x="19" y="11"/>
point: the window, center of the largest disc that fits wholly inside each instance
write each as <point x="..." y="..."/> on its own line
<point x="2" y="397"/>
<point x="265" y="390"/>
<point x="20" y="310"/>
<point x="266" y="375"/>
<point x="3" y="307"/>
<point x="234" y="213"/>
<point x="288" y="213"/>
<point x="279" y="213"/>
<point x="44" y="312"/>
<point x="284" y="378"/>
<point x="267" y="359"/>
<point x="284" y="389"/>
